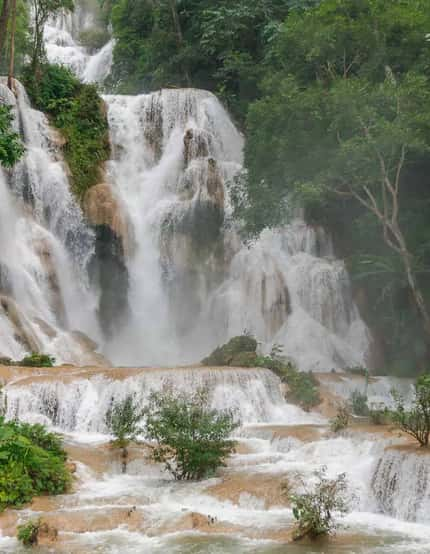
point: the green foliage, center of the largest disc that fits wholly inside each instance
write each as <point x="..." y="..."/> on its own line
<point x="217" y="45"/>
<point x="22" y="38"/>
<point x="341" y="420"/>
<point x="345" y="86"/>
<point x="78" y="112"/>
<point x="37" y="360"/>
<point x="416" y="420"/>
<point x="358" y="401"/>
<point x="303" y="387"/>
<point x="237" y="351"/>
<point x="314" y="510"/>
<point x="28" y="532"/>
<point x="34" y="360"/>
<point x="192" y="439"/>
<point x="11" y="147"/>
<point x="241" y="351"/>
<point x="123" y="420"/>
<point x="32" y="462"/>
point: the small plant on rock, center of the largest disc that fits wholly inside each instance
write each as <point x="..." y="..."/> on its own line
<point x="416" y="421"/>
<point x="341" y="419"/>
<point x="192" y="439"/>
<point x="38" y="360"/>
<point x="28" y="532"/>
<point x="314" y="509"/>
<point x="123" y="419"/>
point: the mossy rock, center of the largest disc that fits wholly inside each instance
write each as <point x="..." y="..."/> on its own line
<point x="240" y="351"/>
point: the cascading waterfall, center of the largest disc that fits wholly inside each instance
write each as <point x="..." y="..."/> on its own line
<point x="175" y="154"/>
<point x="62" y="45"/>
<point x="81" y="404"/>
<point x="401" y="484"/>
<point x="193" y="284"/>
<point x="45" y="249"/>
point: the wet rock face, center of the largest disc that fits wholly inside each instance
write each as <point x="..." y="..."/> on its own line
<point x="109" y="273"/>
<point x="101" y="207"/>
<point x="23" y="332"/>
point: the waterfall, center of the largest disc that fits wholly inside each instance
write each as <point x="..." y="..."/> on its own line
<point x="61" y="37"/>
<point x="176" y="153"/>
<point x="401" y="484"/>
<point x="191" y="281"/>
<point x="45" y="247"/>
<point x="81" y="402"/>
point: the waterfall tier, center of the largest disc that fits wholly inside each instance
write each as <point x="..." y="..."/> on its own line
<point x="401" y="484"/>
<point x="79" y="402"/>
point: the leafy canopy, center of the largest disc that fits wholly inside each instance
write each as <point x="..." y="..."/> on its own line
<point x="11" y="147"/>
<point x="192" y="439"/>
<point x="32" y="462"/>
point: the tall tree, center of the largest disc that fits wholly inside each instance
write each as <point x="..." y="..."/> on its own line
<point x="4" y="19"/>
<point x="10" y="78"/>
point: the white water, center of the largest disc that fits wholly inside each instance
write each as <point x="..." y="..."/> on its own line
<point x="62" y="46"/>
<point x="193" y="284"/>
<point x="285" y="288"/>
<point x="401" y="484"/>
<point x="45" y="247"/>
<point x="81" y="405"/>
<point x="396" y="484"/>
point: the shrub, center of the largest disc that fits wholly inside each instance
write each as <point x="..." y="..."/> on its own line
<point x="313" y="510"/>
<point x="32" y="462"/>
<point x="242" y="351"/>
<point x="34" y="360"/>
<point x="37" y="360"/>
<point x="358" y="403"/>
<point x="11" y="147"/>
<point x="77" y="110"/>
<point x="416" y="421"/>
<point x="233" y="352"/>
<point x="192" y="438"/>
<point x="28" y="532"/>
<point x="341" y="419"/>
<point x="123" y="420"/>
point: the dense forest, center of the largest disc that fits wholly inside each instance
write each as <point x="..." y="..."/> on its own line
<point x="332" y="97"/>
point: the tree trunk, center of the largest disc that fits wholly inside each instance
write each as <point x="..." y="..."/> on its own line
<point x="406" y="258"/>
<point x="10" y="79"/>
<point x="4" y="19"/>
<point x="179" y="35"/>
<point x="416" y="293"/>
